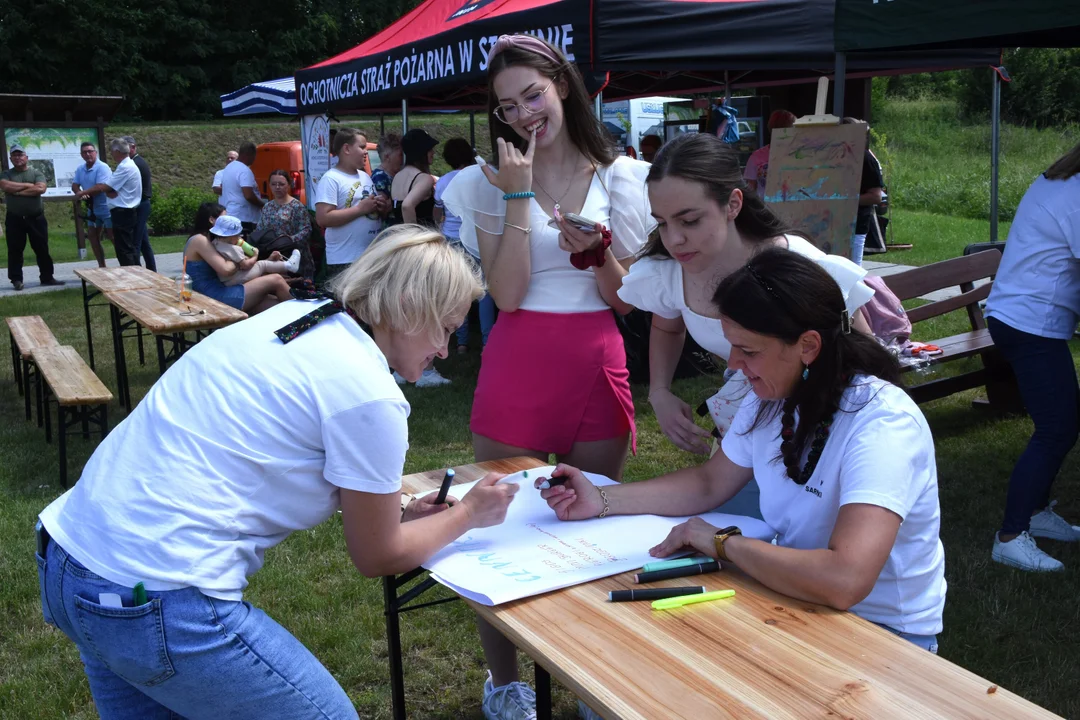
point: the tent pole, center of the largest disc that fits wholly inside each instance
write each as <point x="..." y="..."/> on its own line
<point x="382" y="124"/>
<point x="995" y="151"/>
<point x="839" y="84"/>
<point x="599" y="105"/>
<point x="404" y="116"/>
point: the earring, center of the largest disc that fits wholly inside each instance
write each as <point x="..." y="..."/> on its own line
<point x="805" y="372"/>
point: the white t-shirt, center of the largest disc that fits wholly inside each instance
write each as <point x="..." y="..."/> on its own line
<point x="234" y="178"/>
<point x="1037" y="288"/>
<point x="214" y="467"/>
<point x="126" y="181"/>
<point x="616" y="199"/>
<point x="347" y="242"/>
<point x="451" y="227"/>
<point x="655" y="284"/>
<point x="217" y="179"/>
<point x="879" y="452"/>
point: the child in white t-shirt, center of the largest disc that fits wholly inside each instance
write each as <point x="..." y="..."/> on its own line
<point x="227" y="241"/>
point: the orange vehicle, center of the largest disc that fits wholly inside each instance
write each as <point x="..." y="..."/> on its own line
<point x="288" y="156"/>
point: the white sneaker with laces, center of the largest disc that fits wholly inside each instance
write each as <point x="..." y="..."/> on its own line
<point x="293" y="263"/>
<point x="82" y="253"/>
<point x="1022" y="552"/>
<point x="586" y="713"/>
<point x="431" y="378"/>
<point x="398" y="379"/>
<point x="515" y="701"/>
<point x="1048" y="524"/>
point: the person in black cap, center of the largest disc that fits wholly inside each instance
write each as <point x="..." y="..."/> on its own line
<point x="413" y="189"/>
<point x="23" y="187"/>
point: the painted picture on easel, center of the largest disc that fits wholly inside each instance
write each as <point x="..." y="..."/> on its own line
<point x="813" y="182"/>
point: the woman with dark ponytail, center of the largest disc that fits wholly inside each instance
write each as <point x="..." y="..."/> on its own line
<point x="710" y="223"/>
<point x="844" y="459"/>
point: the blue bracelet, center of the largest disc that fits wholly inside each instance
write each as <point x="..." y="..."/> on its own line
<point x="519" y="195"/>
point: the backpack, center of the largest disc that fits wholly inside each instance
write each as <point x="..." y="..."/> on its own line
<point x="885" y="313"/>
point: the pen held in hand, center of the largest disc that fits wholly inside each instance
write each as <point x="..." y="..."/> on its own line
<point x="706" y="567"/>
<point x="553" y="481"/>
<point x="447" y="481"/>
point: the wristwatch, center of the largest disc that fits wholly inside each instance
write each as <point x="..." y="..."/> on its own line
<point x="722" y="535"/>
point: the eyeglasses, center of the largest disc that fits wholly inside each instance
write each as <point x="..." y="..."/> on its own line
<point x="534" y="103"/>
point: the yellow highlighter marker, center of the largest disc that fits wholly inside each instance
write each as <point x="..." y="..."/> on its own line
<point x="671" y="603"/>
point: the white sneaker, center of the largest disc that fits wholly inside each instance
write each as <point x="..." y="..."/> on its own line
<point x="515" y="701"/>
<point x="82" y="253"/>
<point x="586" y="713"/>
<point x="293" y="263"/>
<point x="398" y="379"/>
<point x="431" y="378"/>
<point x="1048" y="524"/>
<point x="1022" y="552"/>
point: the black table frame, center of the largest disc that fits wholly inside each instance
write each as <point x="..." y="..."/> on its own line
<point x="395" y="604"/>
<point x="89" y="295"/>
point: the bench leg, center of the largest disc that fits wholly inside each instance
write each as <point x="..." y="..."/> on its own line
<point x="61" y="438"/>
<point x="26" y="391"/>
<point x="43" y="400"/>
<point x="1002" y="392"/>
<point x="16" y="363"/>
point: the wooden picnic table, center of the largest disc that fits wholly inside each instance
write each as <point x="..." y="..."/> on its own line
<point x="115" y="279"/>
<point x="160" y="311"/>
<point x="757" y="655"/>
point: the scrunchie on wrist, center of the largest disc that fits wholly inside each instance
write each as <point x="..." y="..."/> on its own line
<point x="596" y="256"/>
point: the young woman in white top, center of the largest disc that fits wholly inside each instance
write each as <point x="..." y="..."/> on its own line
<point x="709" y="225"/>
<point x="1032" y="313"/>
<point x="844" y="458"/>
<point x="213" y="468"/>
<point x="553" y="379"/>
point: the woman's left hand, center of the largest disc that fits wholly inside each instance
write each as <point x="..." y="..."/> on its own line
<point x="424" y="506"/>
<point x="573" y="240"/>
<point x="694" y="533"/>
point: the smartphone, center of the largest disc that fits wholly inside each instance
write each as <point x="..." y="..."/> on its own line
<point x="581" y="223"/>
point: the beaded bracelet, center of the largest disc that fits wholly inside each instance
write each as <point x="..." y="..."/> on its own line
<point x="519" y="195"/>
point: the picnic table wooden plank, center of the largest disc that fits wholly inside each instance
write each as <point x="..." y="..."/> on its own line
<point x="70" y="378"/>
<point x="757" y="655"/>
<point x="160" y="311"/>
<point x="29" y="332"/>
<point x="120" y="279"/>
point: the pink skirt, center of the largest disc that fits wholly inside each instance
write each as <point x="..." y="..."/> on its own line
<point x="548" y="380"/>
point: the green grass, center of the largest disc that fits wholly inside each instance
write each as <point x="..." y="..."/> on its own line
<point x="1015" y="629"/>
<point x="63" y="248"/>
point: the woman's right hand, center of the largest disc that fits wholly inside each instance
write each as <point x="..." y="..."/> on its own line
<point x="577" y="499"/>
<point x="677" y="421"/>
<point x="489" y="500"/>
<point x="515" y="168"/>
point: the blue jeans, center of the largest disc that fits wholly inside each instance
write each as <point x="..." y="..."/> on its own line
<point x="858" y="245"/>
<point x="183" y="654"/>
<point x="486" y="305"/>
<point x="1046" y="375"/>
<point x="142" y="235"/>
<point x="926" y="642"/>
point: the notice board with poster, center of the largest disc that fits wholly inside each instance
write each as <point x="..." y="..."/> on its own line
<point x="53" y="151"/>
<point x="815" y="172"/>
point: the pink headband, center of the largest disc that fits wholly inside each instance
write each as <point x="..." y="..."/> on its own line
<point x="525" y="42"/>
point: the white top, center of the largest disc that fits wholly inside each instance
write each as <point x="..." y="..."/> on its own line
<point x="234" y="178"/>
<point x="655" y="284"/>
<point x="616" y="199"/>
<point x="1037" y="288"/>
<point x="340" y="190"/>
<point x="451" y="227"/>
<point x="879" y="452"/>
<point x="126" y="181"/>
<point x="213" y="468"/>
<point x="217" y="178"/>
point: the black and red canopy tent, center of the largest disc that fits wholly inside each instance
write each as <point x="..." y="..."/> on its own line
<point x="436" y="55"/>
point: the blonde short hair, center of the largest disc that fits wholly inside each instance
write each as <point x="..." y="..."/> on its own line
<point x="409" y="280"/>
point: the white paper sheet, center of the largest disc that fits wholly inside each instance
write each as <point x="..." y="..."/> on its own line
<point x="534" y="552"/>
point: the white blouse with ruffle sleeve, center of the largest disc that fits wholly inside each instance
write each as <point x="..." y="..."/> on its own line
<point x="617" y="199"/>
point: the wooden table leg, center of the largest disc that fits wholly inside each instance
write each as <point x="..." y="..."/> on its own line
<point x="542" y="680"/>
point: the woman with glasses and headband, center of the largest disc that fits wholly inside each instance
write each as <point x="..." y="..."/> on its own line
<point x="553" y="378"/>
<point x="844" y="458"/>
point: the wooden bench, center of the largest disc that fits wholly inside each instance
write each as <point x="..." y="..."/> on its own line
<point x="26" y="333"/>
<point x="81" y="398"/>
<point x="995" y="374"/>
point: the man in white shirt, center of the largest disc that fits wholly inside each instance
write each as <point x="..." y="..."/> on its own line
<point x="124" y="190"/>
<point x="346" y="203"/>
<point x="216" y="185"/>
<point x="239" y="191"/>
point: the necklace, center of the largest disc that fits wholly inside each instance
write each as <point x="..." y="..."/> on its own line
<point x="787" y="444"/>
<point x="559" y="199"/>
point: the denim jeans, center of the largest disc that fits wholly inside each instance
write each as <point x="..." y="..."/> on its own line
<point x="1046" y="375"/>
<point x="183" y="654"/>
<point x="926" y="642"/>
<point x="142" y="235"/>
<point x="858" y="246"/>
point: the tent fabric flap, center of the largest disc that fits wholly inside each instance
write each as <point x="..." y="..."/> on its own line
<point x="262" y="97"/>
<point x="439" y="44"/>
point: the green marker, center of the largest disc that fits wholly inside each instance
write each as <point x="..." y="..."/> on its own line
<point x="675" y="602"/>
<point x="668" y="564"/>
<point x="139" y="595"/>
